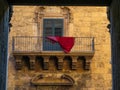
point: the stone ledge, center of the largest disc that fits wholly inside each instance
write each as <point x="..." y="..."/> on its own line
<point x="87" y="53"/>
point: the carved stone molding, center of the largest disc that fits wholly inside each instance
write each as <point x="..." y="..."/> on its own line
<point x="67" y="77"/>
<point x="51" y="79"/>
<point x="39" y="13"/>
<point x="67" y="13"/>
<point x="32" y="62"/>
<point x="74" y="62"/>
<point x="46" y="62"/>
<point x="18" y="62"/>
<point x="52" y="12"/>
<point x="87" y="62"/>
<point x="60" y="62"/>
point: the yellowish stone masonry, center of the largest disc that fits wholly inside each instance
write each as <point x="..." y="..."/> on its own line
<point x="83" y="22"/>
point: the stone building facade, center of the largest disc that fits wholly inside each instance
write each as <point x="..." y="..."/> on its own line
<point x="77" y="70"/>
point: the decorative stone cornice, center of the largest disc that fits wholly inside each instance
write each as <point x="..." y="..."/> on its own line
<point x="32" y="62"/>
<point x="46" y="62"/>
<point x="59" y="64"/>
<point x="87" y="62"/>
<point x="52" y="80"/>
<point x="74" y="62"/>
<point x="41" y="12"/>
<point x="18" y="62"/>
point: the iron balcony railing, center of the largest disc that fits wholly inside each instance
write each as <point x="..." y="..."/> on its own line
<point x="40" y="44"/>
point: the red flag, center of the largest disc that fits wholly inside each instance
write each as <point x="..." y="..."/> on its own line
<point x="65" y="42"/>
<point x="53" y="38"/>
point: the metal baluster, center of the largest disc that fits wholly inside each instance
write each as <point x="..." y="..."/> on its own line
<point x="84" y="49"/>
<point x="24" y="42"/>
<point x="93" y="44"/>
<point x="34" y="41"/>
<point x="88" y="44"/>
<point x="17" y="44"/>
<point x="30" y="40"/>
<point x="78" y="44"/>
<point x="27" y="43"/>
<point x="13" y="43"/>
<point x="81" y="43"/>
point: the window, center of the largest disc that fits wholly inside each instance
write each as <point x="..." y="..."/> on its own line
<point x="52" y="21"/>
<point x="52" y="27"/>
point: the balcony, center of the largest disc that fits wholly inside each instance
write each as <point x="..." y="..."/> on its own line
<point x="38" y="45"/>
<point x="33" y="46"/>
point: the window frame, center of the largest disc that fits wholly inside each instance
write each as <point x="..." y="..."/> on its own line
<point x="53" y="28"/>
<point x="57" y="46"/>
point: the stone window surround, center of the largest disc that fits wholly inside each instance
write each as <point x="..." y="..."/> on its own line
<point x="41" y="14"/>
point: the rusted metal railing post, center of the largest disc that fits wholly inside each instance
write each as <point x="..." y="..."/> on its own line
<point x="13" y="43"/>
<point x="93" y="48"/>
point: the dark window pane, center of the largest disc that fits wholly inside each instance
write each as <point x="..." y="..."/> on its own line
<point x="48" y="32"/>
<point x="48" y="23"/>
<point x="52" y="27"/>
<point x="58" y="31"/>
<point x="58" y="23"/>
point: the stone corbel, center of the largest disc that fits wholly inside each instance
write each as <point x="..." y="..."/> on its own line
<point x="87" y="62"/>
<point x="66" y="16"/>
<point x="60" y="62"/>
<point x="46" y="62"/>
<point x="32" y="62"/>
<point x="74" y="62"/>
<point x="40" y="16"/>
<point x="18" y="62"/>
<point x="41" y="12"/>
<point x="65" y="12"/>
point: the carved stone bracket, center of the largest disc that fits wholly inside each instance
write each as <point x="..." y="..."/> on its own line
<point x="74" y="62"/>
<point x="60" y="62"/>
<point x="46" y="62"/>
<point x="39" y="13"/>
<point x="18" y="62"/>
<point x="87" y="62"/>
<point x="32" y="62"/>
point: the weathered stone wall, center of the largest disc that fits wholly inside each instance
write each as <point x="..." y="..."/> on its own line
<point x="86" y="22"/>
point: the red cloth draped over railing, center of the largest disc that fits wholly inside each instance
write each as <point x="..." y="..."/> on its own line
<point x="66" y="43"/>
